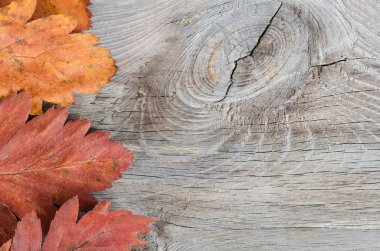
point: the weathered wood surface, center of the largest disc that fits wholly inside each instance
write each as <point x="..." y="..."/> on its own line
<point x="255" y="124"/>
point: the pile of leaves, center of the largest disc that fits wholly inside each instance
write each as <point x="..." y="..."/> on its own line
<point x="47" y="162"/>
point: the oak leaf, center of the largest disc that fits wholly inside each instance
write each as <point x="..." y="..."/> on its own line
<point x="74" y="8"/>
<point x="99" y="229"/>
<point x="47" y="160"/>
<point x="43" y="58"/>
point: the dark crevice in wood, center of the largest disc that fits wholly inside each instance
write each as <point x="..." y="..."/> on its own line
<point x="338" y="61"/>
<point x="178" y="225"/>
<point x="263" y="33"/>
<point x="231" y="82"/>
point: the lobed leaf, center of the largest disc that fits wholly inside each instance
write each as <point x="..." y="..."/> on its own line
<point x="99" y="229"/>
<point x="74" y="8"/>
<point x="43" y="58"/>
<point x="47" y="160"/>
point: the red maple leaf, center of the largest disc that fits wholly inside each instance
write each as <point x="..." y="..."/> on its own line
<point x="97" y="230"/>
<point x="47" y="160"/>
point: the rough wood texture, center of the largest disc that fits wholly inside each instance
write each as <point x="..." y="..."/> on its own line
<point x="255" y="123"/>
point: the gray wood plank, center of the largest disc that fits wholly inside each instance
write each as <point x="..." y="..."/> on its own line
<point x="255" y="124"/>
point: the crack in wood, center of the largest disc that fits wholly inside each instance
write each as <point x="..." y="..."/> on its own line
<point x="339" y="61"/>
<point x="231" y="82"/>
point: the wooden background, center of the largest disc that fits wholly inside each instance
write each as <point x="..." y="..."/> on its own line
<point x="255" y="124"/>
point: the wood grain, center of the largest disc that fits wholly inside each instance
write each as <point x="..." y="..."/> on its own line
<point x="255" y="124"/>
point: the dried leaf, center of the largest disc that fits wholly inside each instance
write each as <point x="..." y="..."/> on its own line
<point x="6" y="246"/>
<point x="28" y="234"/>
<point x="8" y="221"/>
<point x="44" y="59"/>
<point x="97" y="230"/>
<point x="48" y="160"/>
<point x="74" y="8"/>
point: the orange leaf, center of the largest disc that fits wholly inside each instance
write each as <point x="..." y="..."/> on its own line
<point x="48" y="160"/>
<point x="74" y="8"/>
<point x="97" y="230"/>
<point x="44" y="59"/>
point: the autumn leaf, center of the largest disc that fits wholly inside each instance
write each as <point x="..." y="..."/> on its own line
<point x="6" y="246"/>
<point x="47" y="160"/>
<point x="42" y="58"/>
<point x="97" y="230"/>
<point x="74" y="8"/>
<point x="8" y="222"/>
